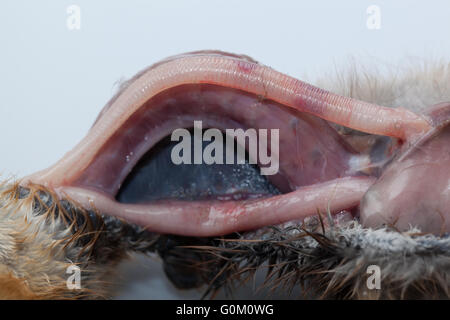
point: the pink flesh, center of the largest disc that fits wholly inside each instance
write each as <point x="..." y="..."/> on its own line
<point x="211" y="218"/>
<point x="414" y="190"/>
<point x="92" y="172"/>
<point x="310" y="150"/>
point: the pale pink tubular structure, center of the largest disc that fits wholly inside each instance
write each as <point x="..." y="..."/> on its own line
<point x="212" y="218"/>
<point x="238" y="73"/>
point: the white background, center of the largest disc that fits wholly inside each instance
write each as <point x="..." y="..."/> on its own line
<point x="54" y="81"/>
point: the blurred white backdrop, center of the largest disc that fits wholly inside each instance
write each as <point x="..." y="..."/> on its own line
<point x="54" y="79"/>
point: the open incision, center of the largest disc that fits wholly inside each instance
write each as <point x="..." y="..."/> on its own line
<point x="120" y="165"/>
